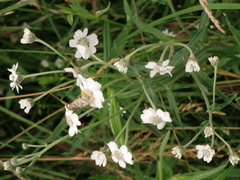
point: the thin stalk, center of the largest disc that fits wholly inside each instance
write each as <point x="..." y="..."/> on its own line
<point x="43" y="73"/>
<point x="47" y="92"/>
<point x="147" y="95"/>
<point x="54" y="50"/>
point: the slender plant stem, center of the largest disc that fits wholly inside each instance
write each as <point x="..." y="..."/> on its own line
<point x="54" y="50"/>
<point x="47" y="92"/>
<point x="43" y="73"/>
<point x="147" y="95"/>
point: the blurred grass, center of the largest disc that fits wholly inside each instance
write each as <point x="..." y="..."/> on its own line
<point x="124" y="27"/>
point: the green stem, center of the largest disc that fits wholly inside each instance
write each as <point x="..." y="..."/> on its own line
<point x="147" y="95"/>
<point x="163" y="53"/>
<point x="206" y="101"/>
<point x="54" y="50"/>
<point x="195" y="137"/>
<point x="47" y="92"/>
<point x="42" y="73"/>
<point x="214" y="87"/>
<point x="128" y="121"/>
<point x="225" y="142"/>
<point x="53" y="144"/>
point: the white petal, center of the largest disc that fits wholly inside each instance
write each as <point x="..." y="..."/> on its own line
<point x="122" y="164"/>
<point x="161" y="125"/>
<point x="112" y="146"/>
<point x="73" y="43"/>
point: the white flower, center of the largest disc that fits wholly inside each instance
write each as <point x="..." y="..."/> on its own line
<point x="44" y="63"/>
<point x="75" y="74"/>
<point x="28" y="37"/>
<point x="120" y="155"/>
<point x="208" y="131"/>
<point x="177" y="152"/>
<point x="161" y="68"/>
<point x="233" y="158"/>
<point x="214" y="60"/>
<point x="158" y="118"/>
<point x="168" y="33"/>
<point x="122" y="65"/>
<point x="100" y="158"/>
<point x="205" y="152"/>
<point x="7" y="165"/>
<point x="26" y="104"/>
<point x="84" y="43"/>
<point x="15" y="77"/>
<point x="59" y="63"/>
<point x="192" y="65"/>
<point x="72" y="121"/>
<point x="92" y="90"/>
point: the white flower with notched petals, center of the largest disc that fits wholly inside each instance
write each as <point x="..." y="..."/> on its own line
<point x="161" y="68"/>
<point x="233" y="158"/>
<point x="28" y="37"/>
<point x="15" y="77"/>
<point x="84" y="43"/>
<point x="122" y="65"/>
<point x="192" y="65"/>
<point x="26" y="104"/>
<point x="157" y="118"/>
<point x="72" y="121"/>
<point x="75" y="73"/>
<point x="205" y="152"/>
<point x="121" y="155"/>
<point x="168" y="33"/>
<point x="100" y="158"/>
<point x="177" y="152"/>
<point x="92" y="90"/>
<point x="214" y="60"/>
<point x="208" y="131"/>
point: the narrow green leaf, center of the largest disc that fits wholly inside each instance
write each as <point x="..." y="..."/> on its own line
<point x="160" y="154"/>
<point x="227" y="102"/>
<point x="101" y="12"/>
<point x="234" y="31"/>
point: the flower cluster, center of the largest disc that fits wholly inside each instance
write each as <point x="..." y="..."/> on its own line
<point x="157" y="118"/>
<point x="205" y="152"/>
<point x="85" y="44"/>
<point x="119" y="155"/>
<point x="161" y="68"/>
<point x="72" y="121"/>
<point x="15" y="77"/>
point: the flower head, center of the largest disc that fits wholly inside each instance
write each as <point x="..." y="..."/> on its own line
<point x="15" y="77"/>
<point x="158" y="118"/>
<point x="28" y="37"/>
<point x="208" y="131"/>
<point x="233" y="158"/>
<point x="26" y="104"/>
<point x="75" y="73"/>
<point x="214" y="60"/>
<point x="84" y="44"/>
<point x="91" y="89"/>
<point x="192" y="65"/>
<point x="168" y="33"/>
<point x="121" y="155"/>
<point x="161" y="68"/>
<point x="177" y="152"/>
<point x="205" y="152"/>
<point x="122" y="65"/>
<point x="72" y="121"/>
<point x="100" y="158"/>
